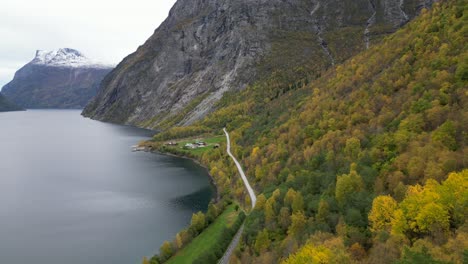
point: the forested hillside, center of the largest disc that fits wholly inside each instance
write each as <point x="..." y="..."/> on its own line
<point x="354" y="164"/>
<point x="6" y="105"/>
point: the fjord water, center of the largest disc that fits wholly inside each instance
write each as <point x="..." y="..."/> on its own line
<point x="71" y="191"/>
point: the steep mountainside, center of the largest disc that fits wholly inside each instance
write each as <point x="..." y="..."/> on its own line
<point x="357" y="165"/>
<point x="208" y="47"/>
<point x="6" y="105"/>
<point x="57" y="79"/>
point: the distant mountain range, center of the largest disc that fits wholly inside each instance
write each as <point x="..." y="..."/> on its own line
<point x="63" y="78"/>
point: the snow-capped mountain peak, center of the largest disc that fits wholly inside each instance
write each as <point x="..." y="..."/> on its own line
<point x="66" y="57"/>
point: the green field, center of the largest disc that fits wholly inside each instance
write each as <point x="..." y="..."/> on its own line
<point x="211" y="142"/>
<point x="207" y="239"/>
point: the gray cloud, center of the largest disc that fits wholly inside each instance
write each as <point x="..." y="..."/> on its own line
<point x="105" y="30"/>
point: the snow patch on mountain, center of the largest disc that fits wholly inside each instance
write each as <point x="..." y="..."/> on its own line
<point x="66" y="58"/>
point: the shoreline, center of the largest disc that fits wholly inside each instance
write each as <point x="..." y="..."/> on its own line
<point x="216" y="197"/>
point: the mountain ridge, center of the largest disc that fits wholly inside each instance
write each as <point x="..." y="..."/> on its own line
<point x="63" y="78"/>
<point x="206" y="48"/>
<point x="66" y="57"/>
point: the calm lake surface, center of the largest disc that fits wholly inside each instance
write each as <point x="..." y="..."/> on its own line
<point x="71" y="191"/>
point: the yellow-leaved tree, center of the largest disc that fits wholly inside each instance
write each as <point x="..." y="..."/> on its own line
<point x="321" y="249"/>
<point x="430" y="209"/>
<point x="382" y="213"/>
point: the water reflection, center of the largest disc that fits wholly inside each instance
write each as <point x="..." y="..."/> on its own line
<point x="72" y="191"/>
<point x="191" y="201"/>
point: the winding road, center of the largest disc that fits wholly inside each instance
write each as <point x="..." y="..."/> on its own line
<point x="235" y="241"/>
<point x="253" y="198"/>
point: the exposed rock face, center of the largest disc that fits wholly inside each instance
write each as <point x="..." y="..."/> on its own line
<point x="57" y="79"/>
<point x="208" y="47"/>
<point x="6" y="106"/>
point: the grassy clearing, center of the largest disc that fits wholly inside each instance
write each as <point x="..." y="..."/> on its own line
<point x="207" y="239"/>
<point x="210" y="141"/>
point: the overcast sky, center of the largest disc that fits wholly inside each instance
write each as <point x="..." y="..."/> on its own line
<point x="104" y="30"/>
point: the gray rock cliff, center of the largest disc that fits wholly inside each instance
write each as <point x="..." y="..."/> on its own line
<point x="208" y="47"/>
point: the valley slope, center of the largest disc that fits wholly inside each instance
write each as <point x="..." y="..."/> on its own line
<point x="356" y="163"/>
<point x="207" y="48"/>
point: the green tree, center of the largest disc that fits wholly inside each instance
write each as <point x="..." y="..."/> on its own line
<point x="298" y="222"/>
<point x="298" y="203"/>
<point x="462" y="71"/>
<point x="323" y="212"/>
<point x="432" y="217"/>
<point x="212" y="213"/>
<point x="411" y="257"/>
<point x="262" y="242"/>
<point x="446" y="134"/>
<point x="348" y="184"/>
<point x="352" y="148"/>
<point x="261" y="200"/>
<point x="289" y="197"/>
<point x="166" y="251"/>
<point x="198" y="222"/>
<point x="270" y="213"/>
<point x="284" y="218"/>
<point x="454" y="196"/>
